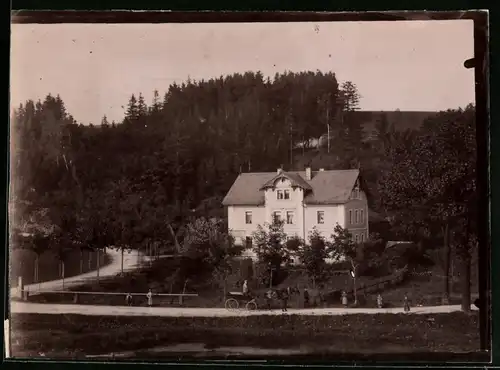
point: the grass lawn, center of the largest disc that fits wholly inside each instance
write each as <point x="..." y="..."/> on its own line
<point x="22" y="263"/>
<point x="428" y="291"/>
<point x="64" y="336"/>
<point x="425" y="290"/>
<point x="158" y="277"/>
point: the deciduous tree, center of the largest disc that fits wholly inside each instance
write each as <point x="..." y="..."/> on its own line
<point x="210" y="247"/>
<point x="271" y="248"/>
<point x="432" y="182"/>
<point x="313" y="256"/>
<point x="343" y="247"/>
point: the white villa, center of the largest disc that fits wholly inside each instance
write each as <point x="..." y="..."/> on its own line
<point x="303" y="200"/>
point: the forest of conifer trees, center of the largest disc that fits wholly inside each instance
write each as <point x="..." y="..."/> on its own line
<point x="177" y="156"/>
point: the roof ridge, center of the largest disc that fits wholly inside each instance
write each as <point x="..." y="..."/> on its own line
<point x="331" y="188"/>
<point x="255" y="173"/>
<point x="297" y="171"/>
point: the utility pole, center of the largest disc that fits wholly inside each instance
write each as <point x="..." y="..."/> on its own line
<point x="328" y="128"/>
<point x="328" y="122"/>
<point x="271" y="272"/>
<point x="291" y="146"/>
<point x="290" y="127"/>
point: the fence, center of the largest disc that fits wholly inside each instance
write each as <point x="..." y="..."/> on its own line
<point x="383" y="283"/>
<point x="78" y="294"/>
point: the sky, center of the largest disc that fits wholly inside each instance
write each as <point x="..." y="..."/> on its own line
<point x="407" y="65"/>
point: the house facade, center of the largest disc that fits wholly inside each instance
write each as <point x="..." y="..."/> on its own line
<point x="303" y="200"/>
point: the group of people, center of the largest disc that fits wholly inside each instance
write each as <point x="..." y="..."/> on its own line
<point x="284" y="295"/>
<point x="149" y="296"/>
<point x="380" y="301"/>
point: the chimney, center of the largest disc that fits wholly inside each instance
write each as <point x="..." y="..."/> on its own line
<point x="308" y="173"/>
<point x="280" y="170"/>
<point x="321" y="169"/>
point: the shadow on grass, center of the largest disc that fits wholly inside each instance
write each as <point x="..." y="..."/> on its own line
<point x="363" y="334"/>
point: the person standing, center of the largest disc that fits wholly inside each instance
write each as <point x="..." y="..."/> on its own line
<point x="344" y="299"/>
<point x="406" y="304"/>
<point x="128" y="299"/>
<point x="380" y="303"/>
<point x="285" y="294"/>
<point x="245" y="287"/>
<point x="269" y="298"/>
<point x="150" y="298"/>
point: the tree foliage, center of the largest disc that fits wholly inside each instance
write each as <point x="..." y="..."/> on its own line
<point x="313" y="256"/>
<point x="138" y="182"/>
<point x="431" y="186"/>
<point x="343" y="246"/>
<point x="208" y="241"/>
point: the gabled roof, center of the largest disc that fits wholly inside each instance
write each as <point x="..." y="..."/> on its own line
<point x="294" y="178"/>
<point x="325" y="187"/>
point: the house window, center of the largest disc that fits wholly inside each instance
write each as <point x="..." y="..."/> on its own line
<point x="287" y="194"/>
<point x="355" y="194"/>
<point x="350" y="217"/>
<point x="289" y="217"/>
<point x="356" y="238"/>
<point x="321" y="217"/>
<point x="248" y="217"/>
<point x="248" y="242"/>
<point x="362" y="237"/>
<point x="276" y="216"/>
<point x="279" y="194"/>
<point x="356" y="216"/>
<point x="362" y="216"/>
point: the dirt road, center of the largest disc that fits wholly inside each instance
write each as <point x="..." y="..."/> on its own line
<point x="23" y="307"/>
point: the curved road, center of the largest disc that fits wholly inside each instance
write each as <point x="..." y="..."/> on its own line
<point x="131" y="261"/>
<point x="94" y="310"/>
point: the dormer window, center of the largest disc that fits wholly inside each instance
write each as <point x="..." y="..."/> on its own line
<point x="283" y="194"/>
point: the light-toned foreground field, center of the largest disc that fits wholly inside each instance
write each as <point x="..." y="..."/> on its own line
<point x="99" y="310"/>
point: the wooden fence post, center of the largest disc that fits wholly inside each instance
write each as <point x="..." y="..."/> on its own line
<point x="20" y="287"/>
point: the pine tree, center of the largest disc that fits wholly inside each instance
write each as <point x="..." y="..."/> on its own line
<point x="104" y="121"/>
<point x="156" y="105"/>
<point x="351" y="128"/>
<point x="132" y="112"/>
<point x="142" y="108"/>
<point x="350" y="96"/>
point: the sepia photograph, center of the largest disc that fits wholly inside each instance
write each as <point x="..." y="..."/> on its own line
<point x="244" y="190"/>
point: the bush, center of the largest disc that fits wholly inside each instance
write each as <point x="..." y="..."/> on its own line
<point x="263" y="275"/>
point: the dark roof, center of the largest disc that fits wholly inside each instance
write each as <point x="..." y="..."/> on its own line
<point x="326" y="187"/>
<point x="294" y="178"/>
